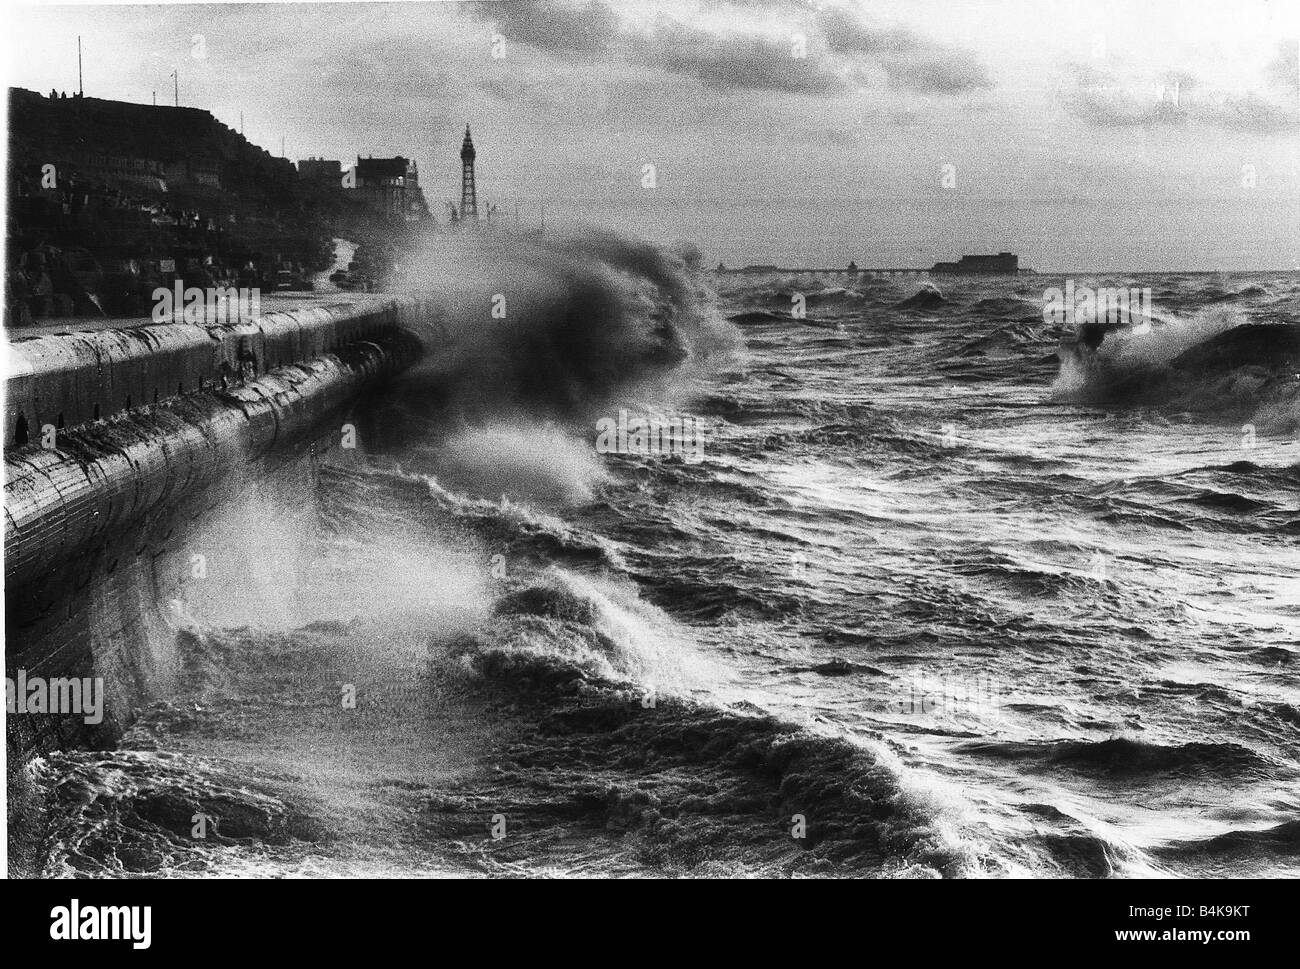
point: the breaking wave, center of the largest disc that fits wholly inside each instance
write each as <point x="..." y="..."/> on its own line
<point x="1215" y="361"/>
<point x="564" y="324"/>
<point x="507" y="655"/>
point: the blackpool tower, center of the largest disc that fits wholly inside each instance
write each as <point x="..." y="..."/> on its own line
<point x="468" y="198"/>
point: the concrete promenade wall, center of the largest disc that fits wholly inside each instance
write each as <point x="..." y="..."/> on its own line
<point x="97" y="524"/>
<point x="70" y="378"/>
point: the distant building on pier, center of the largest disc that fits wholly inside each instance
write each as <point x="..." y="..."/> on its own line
<point x="1004" y="263"/>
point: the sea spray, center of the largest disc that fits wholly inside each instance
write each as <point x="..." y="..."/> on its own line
<point x="1213" y="361"/>
<point x="567" y="325"/>
<point x="539" y="463"/>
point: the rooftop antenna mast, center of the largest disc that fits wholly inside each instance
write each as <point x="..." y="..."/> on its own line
<point x="81" y="89"/>
<point x="176" y="86"/>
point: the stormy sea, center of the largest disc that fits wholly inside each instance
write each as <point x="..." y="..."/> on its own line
<point x="923" y="593"/>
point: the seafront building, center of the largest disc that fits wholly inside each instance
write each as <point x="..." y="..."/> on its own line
<point x="111" y="200"/>
<point x="392" y="187"/>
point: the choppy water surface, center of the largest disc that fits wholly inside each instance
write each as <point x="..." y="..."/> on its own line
<point x="933" y="600"/>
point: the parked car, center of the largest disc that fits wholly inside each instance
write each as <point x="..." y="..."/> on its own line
<point x="291" y="279"/>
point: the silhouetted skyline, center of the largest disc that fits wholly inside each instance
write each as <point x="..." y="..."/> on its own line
<point x="1160" y="135"/>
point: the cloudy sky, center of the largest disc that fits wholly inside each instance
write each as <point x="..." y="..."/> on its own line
<point x="1083" y="134"/>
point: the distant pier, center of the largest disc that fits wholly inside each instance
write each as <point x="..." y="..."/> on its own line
<point x="1001" y="264"/>
<point x="836" y="271"/>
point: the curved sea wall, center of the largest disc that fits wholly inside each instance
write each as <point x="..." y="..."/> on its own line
<point x="106" y="497"/>
<point x="66" y="379"/>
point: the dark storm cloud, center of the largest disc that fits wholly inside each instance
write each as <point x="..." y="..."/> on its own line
<point x="841" y="50"/>
<point x="1100" y="100"/>
<point x="732" y="62"/>
<point x="909" y="61"/>
<point x="1249" y="113"/>
<point x="580" y="29"/>
<point x="950" y="73"/>
<point x="846" y="34"/>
